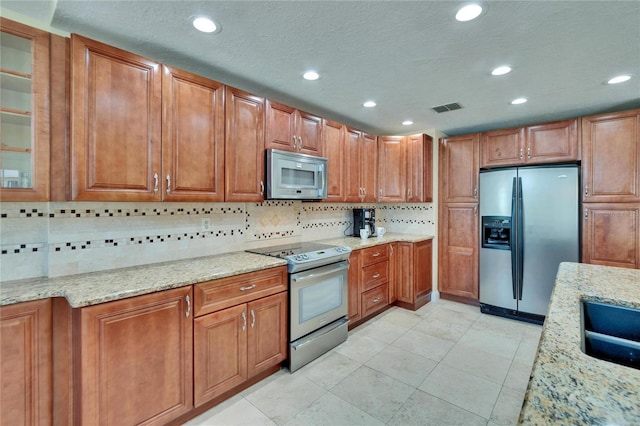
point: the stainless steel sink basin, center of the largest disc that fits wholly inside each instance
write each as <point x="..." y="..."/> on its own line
<point x="611" y="332"/>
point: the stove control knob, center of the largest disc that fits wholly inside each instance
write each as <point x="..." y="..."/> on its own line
<point x="305" y="256"/>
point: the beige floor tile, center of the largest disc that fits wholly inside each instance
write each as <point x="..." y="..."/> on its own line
<point x="442" y="330"/>
<point x="285" y="397"/>
<point x="385" y="331"/>
<point x="526" y="352"/>
<point x="360" y="347"/>
<point x="489" y="341"/>
<point x="462" y="389"/>
<point x="478" y="362"/>
<point x="405" y="366"/>
<point x="330" y="369"/>
<point x="422" y="409"/>
<point x="518" y="376"/>
<point x="373" y="392"/>
<point x="446" y="315"/>
<point x="235" y="411"/>
<point x="422" y="344"/>
<point x="401" y="317"/>
<point x="331" y="410"/>
<point x="507" y="408"/>
<point x="507" y="327"/>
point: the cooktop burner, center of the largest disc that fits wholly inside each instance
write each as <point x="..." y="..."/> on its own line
<point x="302" y="256"/>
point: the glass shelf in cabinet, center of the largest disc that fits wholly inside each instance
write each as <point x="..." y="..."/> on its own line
<point x="15" y="82"/>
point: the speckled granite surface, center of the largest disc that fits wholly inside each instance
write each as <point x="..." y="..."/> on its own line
<point x="98" y="287"/>
<point x="566" y="385"/>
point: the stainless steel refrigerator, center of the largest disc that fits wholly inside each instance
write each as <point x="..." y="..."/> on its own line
<point x="529" y="224"/>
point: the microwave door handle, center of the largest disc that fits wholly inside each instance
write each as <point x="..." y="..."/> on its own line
<point x="322" y="179"/>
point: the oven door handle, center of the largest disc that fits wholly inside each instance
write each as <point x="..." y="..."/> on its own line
<point x="321" y="274"/>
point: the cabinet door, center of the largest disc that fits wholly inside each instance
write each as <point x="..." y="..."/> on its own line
<point x="458" y="263"/>
<point x="392" y="171"/>
<point x="427" y="196"/>
<point x="422" y="268"/>
<point x="333" y="139"/>
<point x="369" y="173"/>
<point x="26" y="363"/>
<point x="135" y="359"/>
<point x="354" y="286"/>
<point x="115" y="123"/>
<point x="24" y="113"/>
<point x="192" y="137"/>
<point x="611" y="234"/>
<point x="267" y="332"/>
<point x="309" y="133"/>
<point x="394" y="269"/>
<point x="415" y="168"/>
<point x="354" y="192"/>
<point x="280" y="127"/>
<point x="220" y="352"/>
<point x="405" y="272"/>
<point x="459" y="167"/>
<point x="611" y="157"/>
<point x="244" y="146"/>
<point x="552" y="142"/>
<point x="502" y="147"/>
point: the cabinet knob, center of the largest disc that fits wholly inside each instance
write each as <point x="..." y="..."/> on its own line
<point x="586" y="214"/>
<point x="521" y="153"/>
<point x="475" y="192"/>
<point x="586" y="191"/>
<point x="528" y="152"/>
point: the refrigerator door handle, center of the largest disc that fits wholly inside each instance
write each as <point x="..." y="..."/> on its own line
<point x="512" y="242"/>
<point x="520" y="236"/>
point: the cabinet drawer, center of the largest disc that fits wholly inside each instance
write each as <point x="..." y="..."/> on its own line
<point x="374" y="275"/>
<point x="214" y="295"/>
<point x="375" y="299"/>
<point x="375" y="254"/>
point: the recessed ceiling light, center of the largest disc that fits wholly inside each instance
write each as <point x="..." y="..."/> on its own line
<point x="369" y="104"/>
<point x="518" y="101"/>
<point x="311" y="75"/>
<point x="407" y="123"/>
<point x="501" y="70"/>
<point x="206" y="25"/>
<point x="468" y="12"/>
<point x="619" y="79"/>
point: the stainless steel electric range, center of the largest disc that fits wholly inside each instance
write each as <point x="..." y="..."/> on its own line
<point x="318" y="291"/>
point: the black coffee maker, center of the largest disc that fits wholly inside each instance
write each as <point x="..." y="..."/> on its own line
<point x="364" y="219"/>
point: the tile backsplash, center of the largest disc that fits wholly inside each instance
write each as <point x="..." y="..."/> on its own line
<point x="54" y="239"/>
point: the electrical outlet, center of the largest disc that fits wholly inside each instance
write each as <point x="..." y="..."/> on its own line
<point x="206" y="224"/>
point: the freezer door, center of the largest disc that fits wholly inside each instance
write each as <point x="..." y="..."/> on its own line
<point x="496" y="286"/>
<point x="550" y="225"/>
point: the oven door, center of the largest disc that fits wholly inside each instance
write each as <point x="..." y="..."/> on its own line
<point x="317" y="297"/>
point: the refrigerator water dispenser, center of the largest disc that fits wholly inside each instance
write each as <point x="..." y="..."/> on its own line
<point x="496" y="232"/>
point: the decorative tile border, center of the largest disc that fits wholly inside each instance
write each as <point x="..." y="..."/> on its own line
<point x="23" y="248"/>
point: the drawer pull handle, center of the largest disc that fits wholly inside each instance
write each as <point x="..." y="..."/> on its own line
<point x="188" y="299"/>
<point x="244" y="321"/>
<point x="376" y="254"/>
<point x="377" y="299"/>
<point x="253" y="319"/>
<point x="376" y="276"/>
<point x="250" y="287"/>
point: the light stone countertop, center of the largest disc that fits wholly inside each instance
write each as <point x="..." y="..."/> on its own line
<point x="566" y="385"/>
<point x="104" y="286"/>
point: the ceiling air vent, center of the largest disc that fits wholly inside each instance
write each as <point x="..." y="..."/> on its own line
<point x="448" y="107"/>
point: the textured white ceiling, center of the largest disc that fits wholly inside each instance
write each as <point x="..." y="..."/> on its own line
<point x="408" y="56"/>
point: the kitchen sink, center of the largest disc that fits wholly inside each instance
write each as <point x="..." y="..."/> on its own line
<point x="611" y="332"/>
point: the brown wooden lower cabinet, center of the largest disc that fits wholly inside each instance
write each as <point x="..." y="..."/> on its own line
<point x="611" y="234"/>
<point x="239" y="340"/>
<point x="26" y="363"/>
<point x="353" y="278"/>
<point x="134" y="359"/>
<point x="414" y="274"/>
<point x="458" y="252"/>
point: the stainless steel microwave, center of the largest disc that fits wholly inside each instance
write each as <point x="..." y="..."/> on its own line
<point x="293" y="176"/>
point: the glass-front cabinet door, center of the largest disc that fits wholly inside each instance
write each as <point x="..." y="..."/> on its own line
<point x="24" y="112"/>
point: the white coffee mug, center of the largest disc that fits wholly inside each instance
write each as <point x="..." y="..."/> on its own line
<point x="380" y="231"/>
<point x="364" y="234"/>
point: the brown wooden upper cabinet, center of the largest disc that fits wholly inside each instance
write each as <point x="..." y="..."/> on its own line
<point x="244" y="146"/>
<point x="360" y="167"/>
<point x="419" y="168"/>
<point x="142" y="131"/>
<point x="24" y="112"/>
<point x="290" y="129"/>
<point x="333" y="135"/>
<point x="543" y="143"/>
<point x="392" y="171"/>
<point x="459" y="165"/>
<point x="611" y="157"/>
<point x="192" y="137"/>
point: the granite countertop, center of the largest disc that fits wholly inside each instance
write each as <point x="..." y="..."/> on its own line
<point x="104" y="286"/>
<point x="566" y="385"/>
